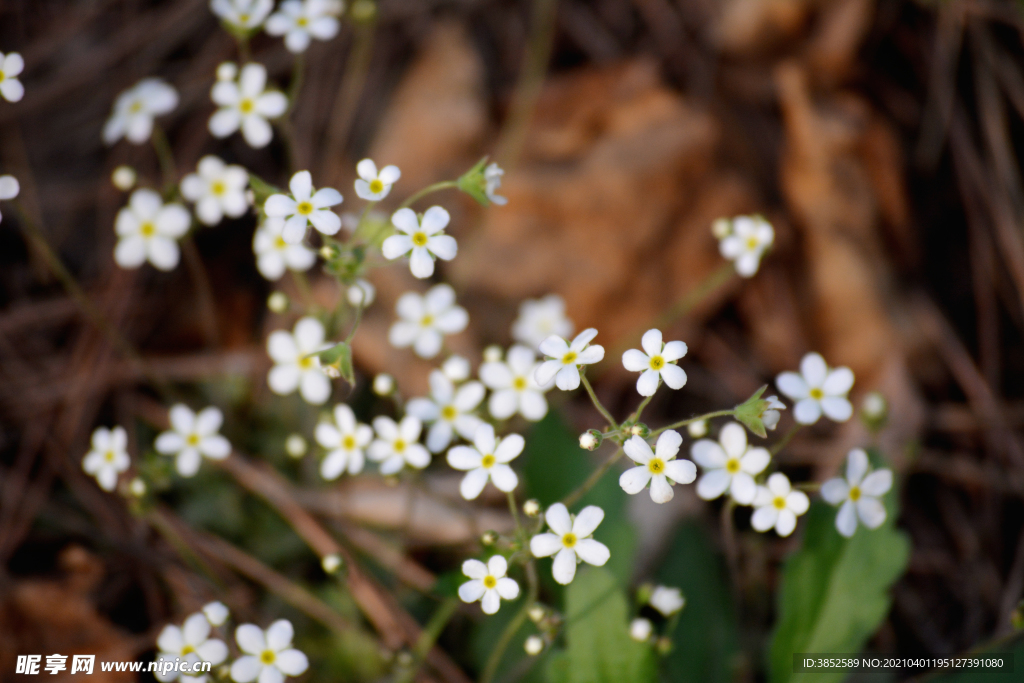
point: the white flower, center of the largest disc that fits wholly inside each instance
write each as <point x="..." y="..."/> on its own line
<point x="667" y="600"/>
<point x="192" y="436"/>
<point x="383" y="384"/>
<point x="514" y="387"/>
<point x="449" y="409"/>
<point x="858" y="493"/>
<point x="9" y="188"/>
<point x="227" y="71"/>
<point x="698" y="429"/>
<point x="423" y="320"/>
<point x="564" y="368"/>
<point x="135" y="109"/>
<point x="373" y="186"/>
<point x="274" y="255"/>
<point x="539" y="319"/>
<point x="422" y="240"/>
<point x="11" y="66"/>
<point x="304" y="207"/>
<point x="533" y="645"/>
<point x="361" y="293"/>
<point x="492" y="177"/>
<point x="570" y="540"/>
<point x="216" y="613"/>
<point x="456" y="368"/>
<point x="778" y="505"/>
<point x="269" y="656"/>
<point x="817" y="390"/>
<point x="108" y="456"/>
<point x="488" y="583"/>
<point x="190" y="643"/>
<point x="396" y="445"/>
<point x="299" y="21"/>
<point x="770" y="416"/>
<point x="148" y="229"/>
<point x="659" y="362"/>
<point x="242" y="14"/>
<point x="124" y="178"/>
<point x="488" y="458"/>
<point x="295" y="446"/>
<point x="247" y="104"/>
<point x="750" y="237"/>
<point x="295" y="368"/>
<point x="217" y="189"/>
<point x="659" y="467"/>
<point x="640" y="629"/>
<point x="344" y="441"/>
<point x="729" y="465"/>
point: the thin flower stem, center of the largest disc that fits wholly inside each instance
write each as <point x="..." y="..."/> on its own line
<point x="295" y="85"/>
<point x="491" y="667"/>
<point x="244" y="54"/>
<point x="362" y="217"/>
<point x="689" y="301"/>
<point x="594" y="477"/>
<point x="729" y="541"/>
<point x="431" y="632"/>
<point x="706" y="416"/>
<point x="807" y="486"/>
<point x="443" y="185"/>
<point x="520" y="532"/>
<point x="204" y="292"/>
<point x="597" y="404"/>
<point x="168" y="167"/>
<point x="353" y="82"/>
<point x="302" y="284"/>
<point x="355" y="324"/>
<point x="640" y="409"/>
<point x="781" y="443"/>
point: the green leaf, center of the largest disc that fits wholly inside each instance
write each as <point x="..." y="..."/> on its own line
<point x="835" y="591"/>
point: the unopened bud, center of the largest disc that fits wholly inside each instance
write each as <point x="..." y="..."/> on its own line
<point x="721" y="228"/>
<point x="227" y="71"/>
<point x="664" y="645"/>
<point x="534" y="645"/>
<point x="874" y="411"/>
<point x="489" y="538"/>
<point x="493" y="354"/>
<point x="124" y="178"/>
<point x="590" y="439"/>
<point x="216" y="613"/>
<point x="331" y="563"/>
<point x="383" y="384"/>
<point x="640" y="630"/>
<point x="531" y="508"/>
<point x="278" y="302"/>
<point x="137" y="487"/>
<point x="329" y="253"/>
<point x="295" y="446"/>
<point x="331" y="371"/>
<point x="698" y="429"/>
<point x="456" y="368"/>
<point x="537" y="613"/>
<point x="362" y="293"/>
<point x="640" y="429"/>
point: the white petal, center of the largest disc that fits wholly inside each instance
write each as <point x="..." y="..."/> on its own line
<point x="564" y="566"/>
<point x="504" y="478"/>
<point x="182" y="419"/>
<point x="871" y="512"/>
<point x="554" y="346"/>
<point x="755" y="460"/>
<point x="590" y="355"/>
<point x="546" y="372"/>
<point x="846" y="520"/>
<point x="291" y="662"/>
<point x="405" y="220"/>
<point x="490" y="602"/>
<point x="503" y="404"/>
<point x="396" y="246"/>
<point x="367" y="170"/>
<point x="814" y="369"/>
<point x="473" y="483"/>
<point x="474" y="569"/>
<point x="635" y="479"/>
<point x="443" y="247"/>
<point x="582" y="339"/>
<point x="245" y="669"/>
<point x="837" y="409"/>
<point x="250" y="639"/>
<point x="326" y="222"/>
<point x="838" y="383"/>
<point x="708" y="454"/>
<point x="856" y="466"/>
<point x="764" y="518"/>
<point x="208" y="421"/>
<point x="509" y="448"/>
<point x="256" y="131"/>
<point x="877" y="483"/>
<point x="674" y="376"/>
<point x="533" y="405"/>
<point x="792" y="385"/>
<point x="440" y="436"/>
<point x="651" y="342"/>
<point x="733" y="439"/>
<point x="647" y="385"/>
<point x="806" y="411"/>
<point x="588" y="519"/>
<point x="471" y="591"/>
<point x="507" y="588"/>
<point x="681" y="471"/>
<point x="215" y="447"/>
<point x="835" y="491"/>
<point x="592" y="552"/>
<point x="314" y="387"/>
<point x="434" y="220"/>
<point x="638" y="450"/>
<point x="545" y="545"/>
<point x="635" y="360"/>
<point x="713" y="484"/>
<point x="325" y="197"/>
<point x="786" y="523"/>
<point x="798" y="502"/>
<point x="557" y="517"/>
<point x="674" y="350"/>
<point x="421" y="265"/>
<point x="661" y="490"/>
<point x="743" y="488"/>
<point x="568" y="378"/>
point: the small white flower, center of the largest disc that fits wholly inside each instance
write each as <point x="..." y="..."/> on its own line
<point x="422" y="241"/>
<point x="108" y="456"/>
<point x="570" y="540"/>
<point x="640" y="630"/>
<point x="361" y="293"/>
<point x="124" y="178"/>
<point x="778" y="505"/>
<point x="423" y="320"/>
<point x="373" y="186"/>
<point x="344" y="440"/>
<point x="750" y="237"/>
<point x="269" y="656"/>
<point x="533" y="645"/>
<point x="190" y="643"/>
<point x="729" y="465"/>
<point x="245" y="15"/>
<point x="514" y="387"/>
<point x="539" y="319"/>
<point x="149" y="229"/>
<point x="817" y="390"/>
<point x="566" y="359"/>
<point x="698" y="429"/>
<point x="383" y="384"/>
<point x="488" y="583"/>
<point x="193" y="436"/>
<point x="135" y="109"/>
<point x="9" y="188"/>
<point x="216" y="613"/>
<point x="299" y="21"/>
<point x="295" y="368"/>
<point x="492" y="176"/>
<point x="667" y="600"/>
<point x="217" y="189"/>
<point x="659" y="362"/>
<point x="396" y="445"/>
<point x="274" y="255"/>
<point x="456" y="368"/>
<point x="11" y="67"/>
<point x="488" y="458"/>
<point x="295" y="446"/>
<point x="305" y="206"/>
<point x="859" y="494"/>
<point x="449" y="409"/>
<point x="137" y="487"/>
<point x="247" y="104"/>
<point x="873" y="407"/>
<point x="770" y="416"/>
<point x="659" y="468"/>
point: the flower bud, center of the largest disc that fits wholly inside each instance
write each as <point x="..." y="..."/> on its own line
<point x="534" y="645"/>
<point x="295" y="446"/>
<point x="329" y="252"/>
<point x="278" y="302"/>
<point x="640" y="630"/>
<point x="331" y="371"/>
<point x="698" y="429"/>
<point x="721" y="228"/>
<point x="531" y="508"/>
<point x="227" y="71"/>
<point x="456" y="368"/>
<point x="493" y="354"/>
<point x="216" y="613"/>
<point x="874" y="411"/>
<point x="537" y="613"/>
<point x="489" y="538"/>
<point x="137" y="487"/>
<point x="124" y="178"/>
<point x="640" y="429"/>
<point x="362" y="293"/>
<point x="667" y="600"/>
<point x="383" y="384"/>
<point x="331" y="563"/>
<point x="590" y="439"/>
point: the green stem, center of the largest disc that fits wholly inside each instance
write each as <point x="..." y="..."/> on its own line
<point x="355" y="323"/>
<point x="295" y="85"/>
<point x="302" y="284"/>
<point x="431" y="632"/>
<point x="362" y="217"/>
<point x="695" y="296"/>
<point x="594" y="477"/>
<point x="165" y="155"/>
<point x="635" y="417"/>
<point x="443" y="185"/>
<point x="494" y="660"/>
<point x="729" y="540"/>
<point x="597" y="404"/>
<point x="243" y="48"/>
<point x="683" y="423"/>
<point x="781" y="443"/>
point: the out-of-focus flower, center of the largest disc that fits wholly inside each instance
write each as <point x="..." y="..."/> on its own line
<point x="396" y="444"/>
<point x="274" y="255"/>
<point x="372" y="185"/>
<point x="242" y="15"/>
<point x="533" y="645"/>
<point x="770" y="417"/>
<point x="361" y="293"/>
<point x="858" y="494"/>
<point x="492" y="176"/>
<point x="667" y="599"/>
<point x="299" y="21"/>
<point x="108" y="456"/>
<point x="149" y="229"/>
<point x="488" y="583"/>
<point x="295" y="446"/>
<point x="423" y="320"/>
<point x="422" y="240"/>
<point x="193" y="436"/>
<point x="514" y="387"/>
<point x="9" y="188"/>
<point x="303" y="207"/>
<point x="729" y="465"/>
<point x="456" y="368"/>
<point x="746" y="243"/>
<point x="124" y="178"/>
<point x="817" y="390"/>
<point x="656" y="362"/>
<point x="449" y="409"/>
<point x="778" y="505"/>
<point x="488" y="458"/>
<point x="11" y="67"/>
<point x="344" y="440"/>
<point x="383" y="384"/>
<point x="296" y="365"/>
<point x="217" y="189"/>
<point x="216" y="613"/>
<point x="247" y="104"/>
<point x="659" y="468"/>
<point x="565" y="359"/>
<point x="569" y="539"/>
<point x="698" y="429"/>
<point x="268" y="656"/>
<point x="640" y="630"/>
<point x="135" y="109"/>
<point x="539" y="319"/>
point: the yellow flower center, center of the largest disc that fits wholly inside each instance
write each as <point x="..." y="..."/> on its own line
<point x="487" y="462"/>
<point x="243" y="18"/>
<point x="302" y="22"/>
<point x="268" y="657"/>
<point x="109" y="456"/>
<point x="187" y="650"/>
<point x="2" y="76"/>
<point x="304" y="208"/>
<point x="817" y="394"/>
<point x="732" y="466"/>
<point x="349" y="442"/>
<point x="398" y="445"/>
<point x="306" y="362"/>
<point x="246" y="106"/>
<point x="279" y="243"/>
<point x="569" y="358"/>
<point x="752" y="243"/>
<point x="193" y="440"/>
<point x="569" y="540"/>
<point x="519" y="383"/>
<point x="779" y="503"/>
<point x="419" y="239"/>
<point x="657" y="362"/>
<point x="656" y="465"/>
<point x="854" y="493"/>
<point x="136" y="107"/>
<point x="427" y="320"/>
<point x="147" y="229"/>
<point x="217" y="187"/>
<point x="376" y="186"/>
<point x="449" y="413"/>
<point x="490" y="581"/>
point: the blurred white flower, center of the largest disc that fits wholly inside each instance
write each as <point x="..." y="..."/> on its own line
<point x="217" y="189"/>
<point x="191" y="643"/>
<point x="295" y="446"/>
<point x="488" y="458"/>
<point x="361" y="293"/>
<point x="449" y="409"/>
<point x="299" y="21"/>
<point x="514" y="388"/>
<point x="729" y="465"/>
<point x="859" y="494"/>
<point x="135" y="109"/>
<point x="11" y="67"/>
<point x="274" y="255"/>
<point x="659" y="362"/>
<point x="744" y="245"/>
<point x="295" y="367"/>
<point x="244" y="15"/>
<point x="268" y="656"/>
<point x="372" y="185"/>
<point x="492" y="176"/>
<point x="247" y="104"/>
<point x="108" y="456"/>
<point x="570" y="541"/>
<point x="566" y="358"/>
<point x="193" y="436"/>
<point x="456" y="368"/>
<point x="396" y="445"/>
<point x="216" y="613"/>
<point x="659" y="468"/>
<point x="640" y="629"/>
<point x="817" y="390"/>
<point x="9" y="188"/>
<point x="667" y="599"/>
<point x="539" y="319"/>
<point x="698" y="429"/>
<point x="533" y="645"/>
<point x="778" y="505"/>
<point x="422" y="240"/>
<point x="124" y="178"/>
<point x="303" y="207"/>
<point x="149" y="229"/>
<point x="770" y="417"/>
<point x="383" y="384"/>
<point x="488" y="583"/>
<point x="344" y="440"/>
<point x="423" y="320"/>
